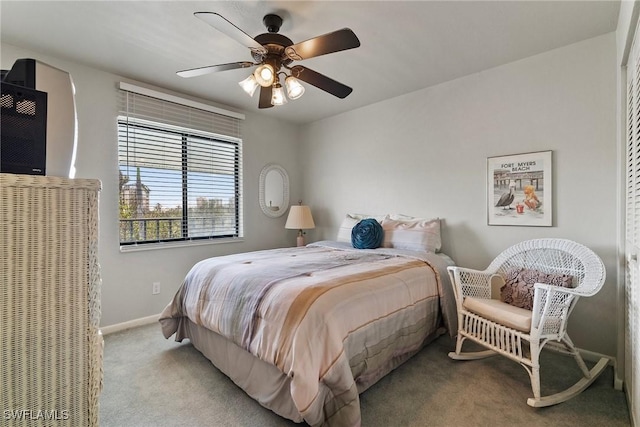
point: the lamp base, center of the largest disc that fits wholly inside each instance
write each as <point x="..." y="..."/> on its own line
<point x="300" y="240"/>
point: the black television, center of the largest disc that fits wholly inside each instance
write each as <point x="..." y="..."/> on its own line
<point x="23" y="134"/>
<point x="61" y="120"/>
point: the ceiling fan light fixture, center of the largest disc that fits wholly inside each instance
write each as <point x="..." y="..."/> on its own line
<point x="294" y="88"/>
<point x="277" y="95"/>
<point x="265" y="75"/>
<point x="249" y="84"/>
<point x="271" y="52"/>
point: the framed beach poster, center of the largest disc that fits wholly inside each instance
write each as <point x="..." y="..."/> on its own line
<point x="519" y="189"/>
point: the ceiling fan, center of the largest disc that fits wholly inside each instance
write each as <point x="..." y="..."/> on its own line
<point x="272" y="54"/>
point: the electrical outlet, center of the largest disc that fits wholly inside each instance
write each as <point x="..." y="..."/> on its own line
<point x="155" y="289"/>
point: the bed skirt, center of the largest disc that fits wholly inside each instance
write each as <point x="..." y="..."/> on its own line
<point x="267" y="384"/>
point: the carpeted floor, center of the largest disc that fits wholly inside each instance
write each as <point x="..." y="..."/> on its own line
<point x="150" y="381"/>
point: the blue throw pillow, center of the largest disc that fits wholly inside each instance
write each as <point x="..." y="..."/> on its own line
<point x="367" y="234"/>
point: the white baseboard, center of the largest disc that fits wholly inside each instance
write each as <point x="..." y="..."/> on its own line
<point x="130" y="324"/>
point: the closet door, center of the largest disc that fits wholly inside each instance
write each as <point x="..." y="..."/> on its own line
<point x="632" y="233"/>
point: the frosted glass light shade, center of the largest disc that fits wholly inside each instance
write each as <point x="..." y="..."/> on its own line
<point x="265" y="75"/>
<point x="277" y="95"/>
<point x="249" y="84"/>
<point x="294" y="88"/>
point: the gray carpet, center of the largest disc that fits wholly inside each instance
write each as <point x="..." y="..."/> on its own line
<point x="150" y="381"/>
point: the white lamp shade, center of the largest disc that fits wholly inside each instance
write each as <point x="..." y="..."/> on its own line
<point x="300" y="218"/>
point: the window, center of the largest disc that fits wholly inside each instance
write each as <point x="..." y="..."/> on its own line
<point x="178" y="179"/>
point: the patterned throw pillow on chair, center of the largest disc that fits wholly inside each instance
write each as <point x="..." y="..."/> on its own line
<point x="518" y="287"/>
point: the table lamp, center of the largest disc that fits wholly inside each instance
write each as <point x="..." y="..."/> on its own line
<point x="300" y="218"/>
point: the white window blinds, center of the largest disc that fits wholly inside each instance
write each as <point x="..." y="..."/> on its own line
<point x="180" y="172"/>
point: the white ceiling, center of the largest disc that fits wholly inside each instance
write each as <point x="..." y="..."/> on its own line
<point x="405" y="45"/>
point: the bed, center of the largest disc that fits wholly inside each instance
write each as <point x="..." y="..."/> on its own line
<point x="304" y="330"/>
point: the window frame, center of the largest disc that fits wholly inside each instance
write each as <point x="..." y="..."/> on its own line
<point x="186" y="135"/>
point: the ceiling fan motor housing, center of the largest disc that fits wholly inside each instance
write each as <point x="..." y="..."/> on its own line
<point x="275" y="45"/>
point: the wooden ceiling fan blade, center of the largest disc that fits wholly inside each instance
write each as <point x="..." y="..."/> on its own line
<point x="321" y="81"/>
<point x="328" y="43"/>
<point x="265" y="97"/>
<point x="213" y="69"/>
<point x="221" y="24"/>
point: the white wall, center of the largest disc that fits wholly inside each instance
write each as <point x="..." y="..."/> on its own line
<point x="127" y="277"/>
<point x="424" y="154"/>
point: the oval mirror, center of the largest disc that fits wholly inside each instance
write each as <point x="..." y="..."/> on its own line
<point x="274" y="190"/>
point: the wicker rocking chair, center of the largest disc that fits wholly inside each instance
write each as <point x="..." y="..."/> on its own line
<point x="519" y="333"/>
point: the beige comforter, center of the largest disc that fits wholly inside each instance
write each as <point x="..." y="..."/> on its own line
<point x="311" y="312"/>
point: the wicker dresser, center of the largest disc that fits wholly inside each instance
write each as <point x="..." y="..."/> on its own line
<point x="50" y="344"/>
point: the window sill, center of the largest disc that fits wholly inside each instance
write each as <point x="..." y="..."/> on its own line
<point x="181" y="244"/>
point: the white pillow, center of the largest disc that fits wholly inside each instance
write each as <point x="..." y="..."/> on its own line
<point x="349" y="221"/>
<point x="417" y="234"/>
<point x="401" y="217"/>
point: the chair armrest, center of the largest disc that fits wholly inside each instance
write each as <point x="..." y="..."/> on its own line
<point x="545" y="287"/>
<point x="470" y="282"/>
<point x="551" y="308"/>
